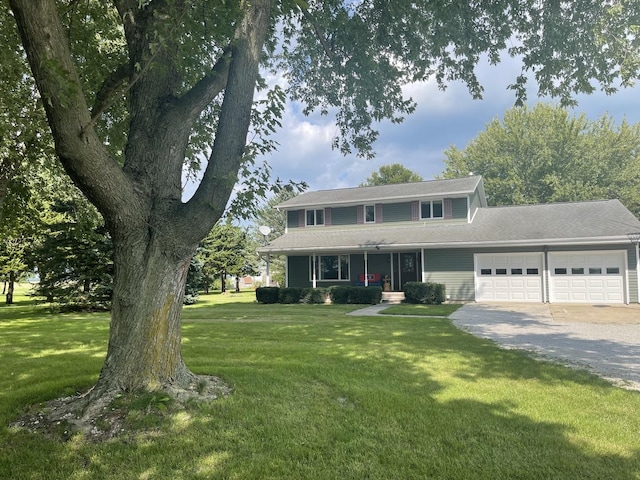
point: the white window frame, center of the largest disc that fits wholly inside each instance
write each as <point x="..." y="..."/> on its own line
<point x="430" y="203"/>
<point x="373" y="210"/>
<point x="315" y="217"/>
<point x="319" y="272"/>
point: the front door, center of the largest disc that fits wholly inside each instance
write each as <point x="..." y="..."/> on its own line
<point x="406" y="269"/>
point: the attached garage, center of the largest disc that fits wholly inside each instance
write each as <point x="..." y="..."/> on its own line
<point x="587" y="277"/>
<point x="508" y="277"/>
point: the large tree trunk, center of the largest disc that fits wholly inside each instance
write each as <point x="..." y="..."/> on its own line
<point x="145" y="335"/>
<point x="154" y="233"/>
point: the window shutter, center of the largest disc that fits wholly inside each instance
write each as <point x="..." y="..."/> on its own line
<point x="415" y="211"/>
<point x="378" y="213"/>
<point x="302" y="219"/>
<point x="327" y="216"/>
<point x="447" y="205"/>
<point x="360" y="214"/>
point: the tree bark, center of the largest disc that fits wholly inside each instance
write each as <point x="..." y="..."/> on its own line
<point x="10" y="288"/>
<point x="154" y="234"/>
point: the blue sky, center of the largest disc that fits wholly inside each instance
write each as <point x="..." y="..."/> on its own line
<point x="442" y="119"/>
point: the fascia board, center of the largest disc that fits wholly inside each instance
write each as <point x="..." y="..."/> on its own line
<point x="430" y="246"/>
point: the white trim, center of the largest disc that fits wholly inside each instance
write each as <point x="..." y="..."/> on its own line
<point x="423" y="273"/>
<point x="393" y="286"/>
<point x="364" y="213"/>
<point x="430" y="202"/>
<point x="618" y="240"/>
<point x="366" y="269"/>
<point x="315" y="217"/>
<point x="638" y="268"/>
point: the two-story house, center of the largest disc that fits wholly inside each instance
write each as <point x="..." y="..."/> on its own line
<point x="443" y="231"/>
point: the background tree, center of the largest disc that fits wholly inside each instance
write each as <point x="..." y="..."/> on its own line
<point x="226" y="251"/>
<point x="74" y="257"/>
<point x="133" y="90"/>
<point x="390" y="174"/>
<point x="543" y="154"/>
<point x="276" y="220"/>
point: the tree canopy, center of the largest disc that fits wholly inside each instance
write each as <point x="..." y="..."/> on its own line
<point x="544" y="154"/>
<point x="135" y="90"/>
<point x="389" y="174"/>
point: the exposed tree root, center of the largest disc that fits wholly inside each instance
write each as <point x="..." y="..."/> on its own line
<point x="100" y="418"/>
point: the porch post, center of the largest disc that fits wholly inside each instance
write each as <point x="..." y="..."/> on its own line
<point x="366" y="269"/>
<point x="393" y="282"/>
<point x="313" y="271"/>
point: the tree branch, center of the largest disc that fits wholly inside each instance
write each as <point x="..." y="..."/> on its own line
<point x="210" y="199"/>
<point x="81" y="152"/>
<point x="209" y="87"/>
<point x="105" y="96"/>
<point x="317" y="30"/>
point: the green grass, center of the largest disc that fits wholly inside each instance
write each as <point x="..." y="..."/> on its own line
<point x="443" y="310"/>
<point x="320" y="395"/>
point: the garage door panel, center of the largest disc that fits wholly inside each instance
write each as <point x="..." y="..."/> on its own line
<point x="511" y="277"/>
<point x="587" y="277"/>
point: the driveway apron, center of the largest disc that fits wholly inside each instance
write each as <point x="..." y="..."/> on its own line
<point x="585" y="337"/>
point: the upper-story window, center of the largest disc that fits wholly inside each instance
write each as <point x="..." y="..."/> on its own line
<point x="369" y="213"/>
<point x="431" y="209"/>
<point x="315" y="217"/>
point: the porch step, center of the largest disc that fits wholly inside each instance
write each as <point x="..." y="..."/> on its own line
<point x="392" y="297"/>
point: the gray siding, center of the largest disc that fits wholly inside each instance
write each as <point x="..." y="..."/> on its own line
<point x="298" y="271"/>
<point x="453" y="268"/>
<point x="459" y="207"/>
<point x="344" y="216"/>
<point x="293" y="219"/>
<point x="396" y="212"/>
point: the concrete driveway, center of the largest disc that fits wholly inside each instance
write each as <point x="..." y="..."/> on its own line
<point x="602" y="339"/>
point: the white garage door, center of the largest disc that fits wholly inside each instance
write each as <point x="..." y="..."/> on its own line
<point x="587" y="277"/>
<point x="508" y="277"/>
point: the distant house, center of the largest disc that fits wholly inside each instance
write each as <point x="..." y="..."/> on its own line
<point x="442" y="231"/>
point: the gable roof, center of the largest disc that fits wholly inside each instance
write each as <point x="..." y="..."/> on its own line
<point x="596" y="222"/>
<point x="384" y="193"/>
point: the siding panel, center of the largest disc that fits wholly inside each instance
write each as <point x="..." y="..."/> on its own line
<point x="396" y="212"/>
<point x="459" y="208"/>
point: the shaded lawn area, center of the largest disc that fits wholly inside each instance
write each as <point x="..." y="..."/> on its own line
<point x="319" y="395"/>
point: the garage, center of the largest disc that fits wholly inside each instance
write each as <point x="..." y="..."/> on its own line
<point x="508" y="277"/>
<point x="587" y="277"/>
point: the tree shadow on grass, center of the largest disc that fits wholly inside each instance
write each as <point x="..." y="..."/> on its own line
<point x="356" y="398"/>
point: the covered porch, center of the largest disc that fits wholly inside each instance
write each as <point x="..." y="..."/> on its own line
<point x="389" y="270"/>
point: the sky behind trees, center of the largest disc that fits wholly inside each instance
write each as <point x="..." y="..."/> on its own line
<point x="443" y="118"/>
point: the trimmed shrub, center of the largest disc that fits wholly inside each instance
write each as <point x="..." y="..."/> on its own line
<point x="365" y="295"/>
<point x="289" y="295"/>
<point x="267" y="294"/>
<point x="357" y="295"/>
<point x="339" y="294"/>
<point x="314" y="295"/>
<point x="425" y="293"/>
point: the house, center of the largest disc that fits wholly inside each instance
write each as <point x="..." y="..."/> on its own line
<point x="443" y="231"/>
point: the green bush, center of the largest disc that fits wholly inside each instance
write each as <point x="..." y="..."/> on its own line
<point x="357" y="295"/>
<point x="314" y="295"/>
<point x="365" y="295"/>
<point x="339" y="294"/>
<point x="267" y="294"/>
<point x="289" y="295"/>
<point x="425" y="293"/>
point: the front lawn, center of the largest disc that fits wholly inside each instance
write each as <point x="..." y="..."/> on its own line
<point x="321" y="395"/>
<point x="443" y="310"/>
